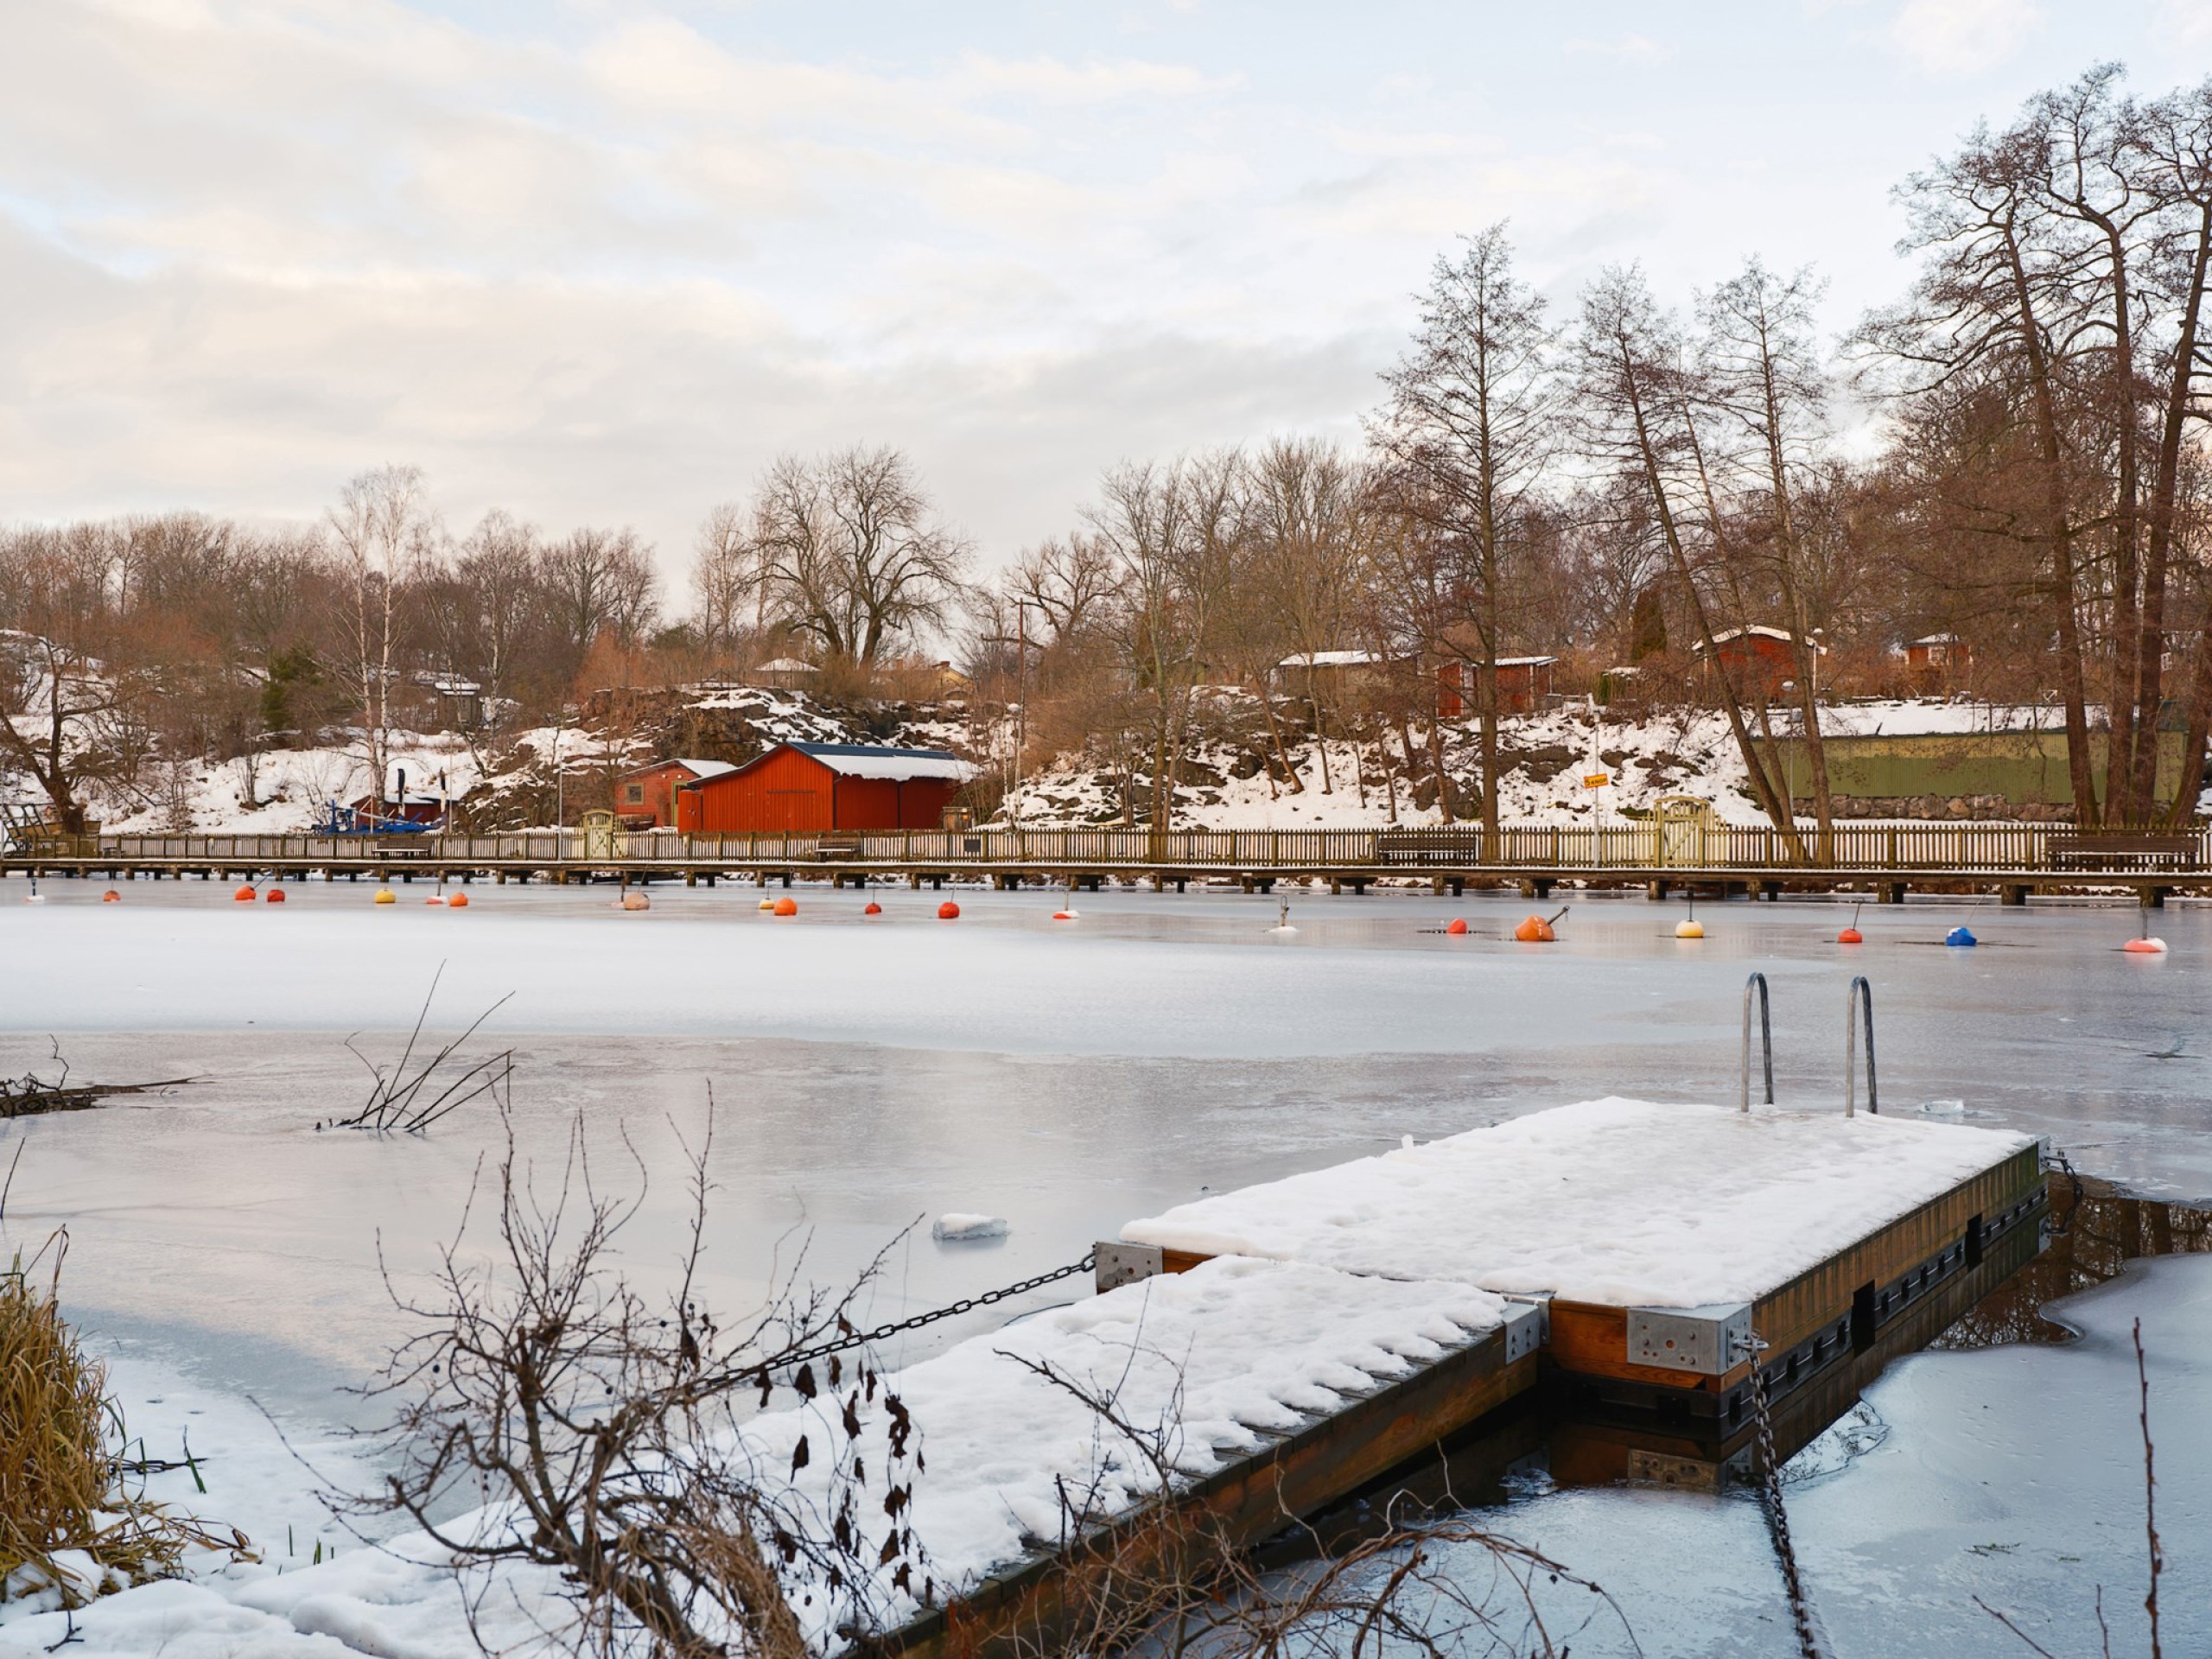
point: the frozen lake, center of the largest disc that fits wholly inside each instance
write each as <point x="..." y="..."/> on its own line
<point x="870" y="1073"/>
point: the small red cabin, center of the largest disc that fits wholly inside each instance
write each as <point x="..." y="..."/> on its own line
<point x="808" y="787"/>
<point x="1523" y="684"/>
<point x="644" y="797"/>
<point x="1758" y="660"/>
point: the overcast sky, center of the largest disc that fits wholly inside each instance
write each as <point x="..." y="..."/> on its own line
<point x="602" y="262"/>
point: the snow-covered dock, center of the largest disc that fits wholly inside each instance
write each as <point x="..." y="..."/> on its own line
<point x="1286" y="1345"/>
<point x="1663" y="1237"/>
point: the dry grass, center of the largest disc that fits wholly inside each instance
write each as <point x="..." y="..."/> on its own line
<point x="62" y="1487"/>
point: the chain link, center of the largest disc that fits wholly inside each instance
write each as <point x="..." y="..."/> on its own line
<point x="965" y="1304"/>
<point x="1777" y="1518"/>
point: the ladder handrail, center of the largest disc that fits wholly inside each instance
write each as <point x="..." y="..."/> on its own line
<point x="1766" y="1042"/>
<point x="1860" y="997"/>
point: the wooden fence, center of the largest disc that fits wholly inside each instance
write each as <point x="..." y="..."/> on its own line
<point x="1657" y="846"/>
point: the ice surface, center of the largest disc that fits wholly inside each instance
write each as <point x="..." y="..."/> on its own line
<point x="1068" y="1079"/>
<point x="1612" y="1201"/>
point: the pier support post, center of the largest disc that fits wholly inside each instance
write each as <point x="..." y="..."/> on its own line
<point x="2154" y="897"/>
<point x="1537" y="887"/>
<point x="691" y="878"/>
<point x="1771" y="892"/>
<point x="1892" y="893"/>
<point x="2013" y="893"/>
<point x="1458" y="887"/>
<point x="1655" y="891"/>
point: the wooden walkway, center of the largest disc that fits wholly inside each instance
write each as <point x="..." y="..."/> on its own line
<point x="1885" y="860"/>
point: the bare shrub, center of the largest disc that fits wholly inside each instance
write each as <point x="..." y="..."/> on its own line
<point x="595" y="1427"/>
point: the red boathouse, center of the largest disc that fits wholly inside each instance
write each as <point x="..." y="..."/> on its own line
<point x="804" y="788"/>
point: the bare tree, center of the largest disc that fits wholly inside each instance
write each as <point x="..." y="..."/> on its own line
<point x="851" y="552"/>
<point x="1472" y="422"/>
<point x="1630" y="389"/>
<point x="383" y="528"/>
<point x="599" y="582"/>
<point x="729" y="600"/>
<point x="1762" y="372"/>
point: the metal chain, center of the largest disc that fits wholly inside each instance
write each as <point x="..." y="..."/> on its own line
<point x="965" y="1304"/>
<point x="1777" y="1518"/>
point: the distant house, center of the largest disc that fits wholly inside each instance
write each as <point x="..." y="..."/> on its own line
<point x="1934" y="662"/>
<point x="785" y="674"/>
<point x="806" y="788"/>
<point x="1758" y="661"/>
<point x="1523" y="684"/>
<point x="644" y="797"/>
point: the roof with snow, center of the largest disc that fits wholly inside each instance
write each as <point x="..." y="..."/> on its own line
<point x="1332" y="659"/>
<point x="865" y="760"/>
<point x="787" y="666"/>
<point x="1762" y="630"/>
<point x="697" y="768"/>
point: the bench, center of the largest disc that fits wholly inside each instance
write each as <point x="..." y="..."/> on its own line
<point x="837" y="847"/>
<point x="2123" y="850"/>
<point x="1428" y="845"/>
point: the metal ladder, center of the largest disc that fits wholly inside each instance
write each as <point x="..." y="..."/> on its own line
<point x="1858" y="1021"/>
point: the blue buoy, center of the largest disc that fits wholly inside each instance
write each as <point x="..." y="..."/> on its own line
<point x="1959" y="936"/>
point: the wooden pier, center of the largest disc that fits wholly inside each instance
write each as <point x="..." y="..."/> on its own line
<point x="1884" y="859"/>
<point x="1589" y="1286"/>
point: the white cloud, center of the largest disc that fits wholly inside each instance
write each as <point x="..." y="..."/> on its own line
<point x="1633" y="48"/>
<point x="1961" y="37"/>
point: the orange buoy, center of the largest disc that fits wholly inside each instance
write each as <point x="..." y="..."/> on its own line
<point x="459" y="901"/>
<point x="948" y="912"/>
<point x="275" y="895"/>
<point x="871" y="908"/>
<point x="2146" y="946"/>
<point x="636" y="902"/>
<point x="1851" y="936"/>
<point x="1456" y="924"/>
<point x="434" y="898"/>
<point x="1063" y="916"/>
<point x="246" y="894"/>
<point x="787" y="905"/>
<point x="111" y="897"/>
<point x="1534" y="930"/>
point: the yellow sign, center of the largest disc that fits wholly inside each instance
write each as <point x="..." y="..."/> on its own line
<point x="1596" y="779"/>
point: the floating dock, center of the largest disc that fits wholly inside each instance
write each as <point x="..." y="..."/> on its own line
<point x="1271" y="1352"/>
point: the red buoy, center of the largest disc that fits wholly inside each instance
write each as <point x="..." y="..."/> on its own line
<point x="1851" y="936"/>
<point x="948" y="912"/>
<point x="1456" y="924"/>
<point x="459" y="901"/>
<point x="2145" y="947"/>
<point x="871" y="908"/>
<point x="275" y="895"/>
<point x="245" y="895"/>
<point x="1534" y="930"/>
<point x="111" y="897"/>
<point x="787" y="905"/>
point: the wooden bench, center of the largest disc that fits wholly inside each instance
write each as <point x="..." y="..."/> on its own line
<point x="2126" y="850"/>
<point x="837" y="847"/>
<point x="1428" y="845"/>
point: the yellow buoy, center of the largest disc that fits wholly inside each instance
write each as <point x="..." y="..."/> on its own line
<point x="1689" y="930"/>
<point x="767" y="904"/>
<point x="384" y="896"/>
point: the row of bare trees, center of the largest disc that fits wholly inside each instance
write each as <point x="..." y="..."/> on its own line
<point x="2017" y="471"/>
<point x="2009" y="460"/>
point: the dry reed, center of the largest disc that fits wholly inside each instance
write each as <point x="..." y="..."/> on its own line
<point x="69" y="1516"/>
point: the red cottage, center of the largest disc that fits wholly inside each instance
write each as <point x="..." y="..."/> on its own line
<point x="645" y="797"/>
<point x="1759" y="661"/>
<point x="808" y="787"/>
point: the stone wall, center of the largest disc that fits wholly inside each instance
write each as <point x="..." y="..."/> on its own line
<point x="1943" y="808"/>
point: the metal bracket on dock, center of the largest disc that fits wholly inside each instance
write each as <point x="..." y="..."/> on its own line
<point x="1528" y="1324"/>
<point x="1122" y="1264"/>
<point x="1706" y="1340"/>
<point x="1860" y="999"/>
<point x="1755" y="982"/>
